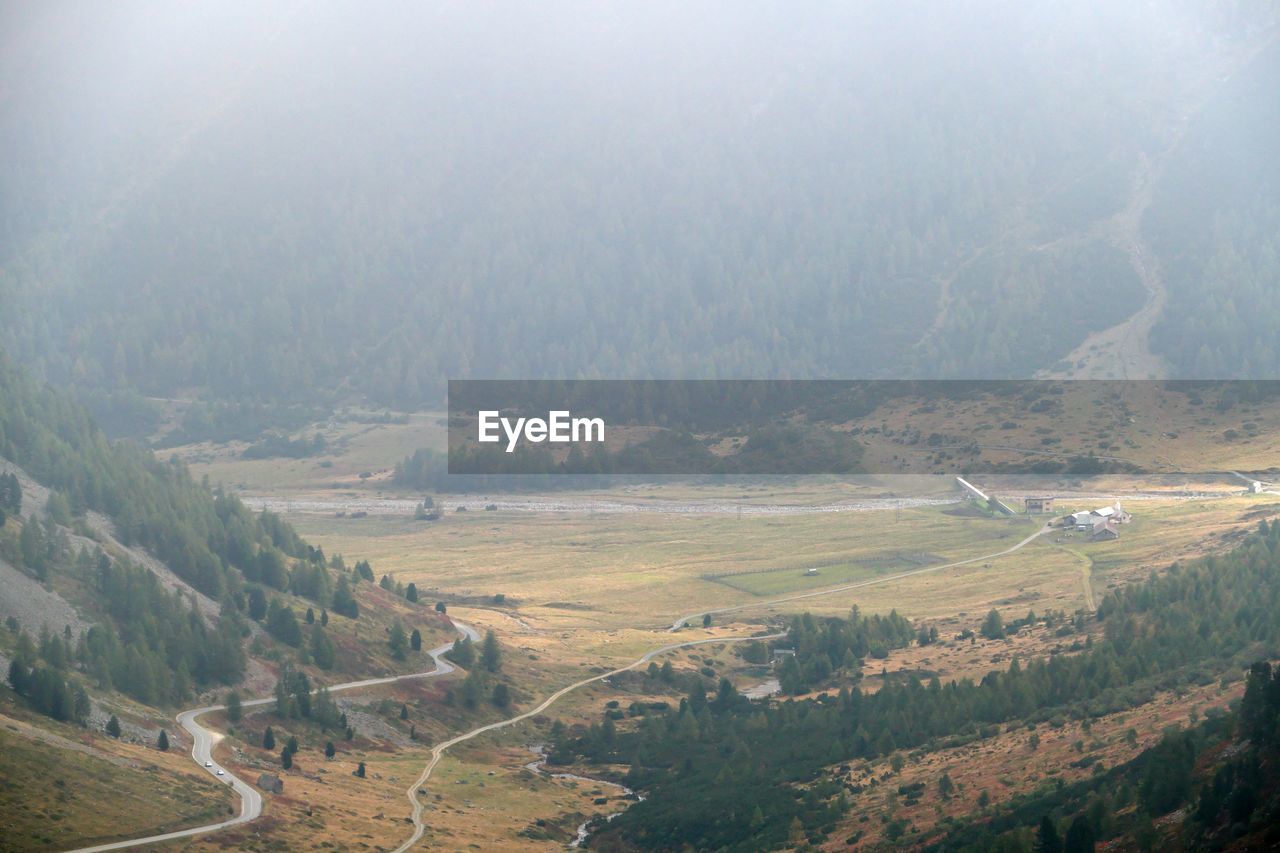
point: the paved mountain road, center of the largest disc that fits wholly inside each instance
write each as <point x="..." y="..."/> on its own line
<point x="204" y="740"/>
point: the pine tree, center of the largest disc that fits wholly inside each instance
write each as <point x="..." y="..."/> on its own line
<point x="415" y="640"/>
<point x="398" y="642"/>
<point x="491" y="653"/>
<point x="993" y="626"/>
<point x="360" y="770"/>
<point x="344" y="601"/>
<point x="1079" y="837"/>
<point x="286" y="758"/>
<point x="113" y="726"/>
<point x="162" y="742"/>
<point x="411" y="592"/>
<point x="257" y="604"/>
<point x="321" y="648"/>
<point x="18" y="676"/>
<point x="268" y="739"/>
<point x="329" y="750"/>
<point x="945" y="786"/>
<point x="234" y="709"/>
<point x="1047" y="838"/>
<point x="82" y="707"/>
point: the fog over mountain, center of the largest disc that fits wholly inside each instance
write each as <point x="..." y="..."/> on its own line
<point x="333" y="200"/>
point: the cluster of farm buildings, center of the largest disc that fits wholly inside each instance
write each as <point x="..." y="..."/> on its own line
<point x="1101" y="523"/>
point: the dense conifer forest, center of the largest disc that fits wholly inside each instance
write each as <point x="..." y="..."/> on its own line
<point x="155" y="645"/>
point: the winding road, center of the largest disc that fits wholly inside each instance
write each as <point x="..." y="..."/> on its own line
<point x="438" y="752"/>
<point x="204" y="740"/>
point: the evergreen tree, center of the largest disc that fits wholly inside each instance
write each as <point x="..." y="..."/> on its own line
<point x="344" y="601"/>
<point x="113" y="726"/>
<point x="945" y="786"/>
<point x="491" y="653"/>
<point x="415" y="640"/>
<point x="329" y="750"/>
<point x="411" y="592"/>
<point x="397" y="641"/>
<point x="360" y="770"/>
<point x="257" y="604"/>
<point x="993" y="626"/>
<point x="1080" y="837"/>
<point x="234" y="709"/>
<point x="286" y="758"/>
<point x="10" y="494"/>
<point x="1047" y="838"/>
<point x="269" y="739"/>
<point x="18" y="676"/>
<point x="282" y="624"/>
<point x="162" y="742"/>
<point x="321" y="648"/>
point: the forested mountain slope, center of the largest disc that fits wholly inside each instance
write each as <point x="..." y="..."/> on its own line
<point x="300" y="205"/>
<point x="160" y="629"/>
